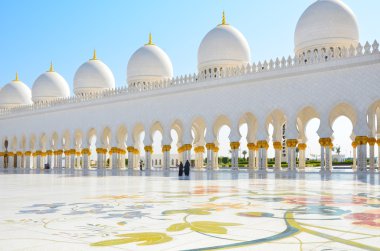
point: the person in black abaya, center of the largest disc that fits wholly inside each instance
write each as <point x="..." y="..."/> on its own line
<point x="187" y="168"/>
<point x="180" y="172"/>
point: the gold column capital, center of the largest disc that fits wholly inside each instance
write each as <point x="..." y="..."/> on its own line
<point x="235" y="145"/>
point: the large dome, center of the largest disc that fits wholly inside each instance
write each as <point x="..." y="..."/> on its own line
<point x="148" y="64"/>
<point x="14" y="94"/>
<point x="224" y="46"/>
<point x="93" y="76"/>
<point x="49" y="86"/>
<point x="325" y="24"/>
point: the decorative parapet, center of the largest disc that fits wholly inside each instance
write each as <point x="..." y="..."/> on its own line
<point x="310" y="58"/>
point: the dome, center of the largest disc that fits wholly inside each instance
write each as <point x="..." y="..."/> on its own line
<point x="223" y="46"/>
<point x="14" y="94"/>
<point x="93" y="76"/>
<point x="48" y="86"/>
<point x="148" y="64"/>
<point x="325" y="24"/>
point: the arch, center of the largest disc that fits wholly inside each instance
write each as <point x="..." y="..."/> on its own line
<point x="121" y="136"/>
<point x="138" y="129"/>
<point x="304" y="116"/>
<point x="13" y="144"/>
<point x="32" y="142"/>
<point x="66" y="140"/>
<point x="277" y="119"/>
<point x="43" y="140"/>
<point x="252" y="125"/>
<point x="373" y="114"/>
<point x="199" y="126"/>
<point x="343" y="109"/>
<point x="78" y="137"/>
<point x="156" y="127"/>
<point x="22" y="143"/>
<point x="177" y="126"/>
<point x="221" y="121"/>
<point x="54" y="141"/>
<point x="90" y="136"/>
<point x="106" y="137"/>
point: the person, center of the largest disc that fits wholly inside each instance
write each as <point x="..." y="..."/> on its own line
<point x="187" y="168"/>
<point x="180" y="172"/>
<point x="141" y="165"/>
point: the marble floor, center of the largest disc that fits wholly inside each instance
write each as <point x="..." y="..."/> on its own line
<point x="210" y="211"/>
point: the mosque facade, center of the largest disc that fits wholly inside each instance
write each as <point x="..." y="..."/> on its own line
<point x="330" y="74"/>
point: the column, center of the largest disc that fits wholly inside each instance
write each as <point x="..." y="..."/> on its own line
<point x="251" y="155"/>
<point x="371" y="143"/>
<point x="277" y="162"/>
<point x="199" y="155"/>
<point x="166" y="157"/>
<point x="302" y="159"/>
<point x="11" y="163"/>
<point x="148" y="157"/>
<point x="361" y="142"/>
<point x="136" y="159"/>
<point x="354" y="145"/>
<point x="215" y="161"/>
<point x="262" y="154"/>
<point x="19" y="159"/>
<point x="325" y="153"/>
<point x="59" y="157"/>
<point x="49" y="155"/>
<point x="38" y="159"/>
<point x="2" y="159"/>
<point x="235" y="155"/>
<point x="28" y="155"/>
<point x="291" y="145"/>
<point x="86" y="158"/>
<point x="101" y="157"/>
<point x="122" y="158"/>
<point x="78" y="155"/>
<point x="328" y="152"/>
<point x="210" y="155"/>
<point x="114" y="156"/>
<point x="130" y="150"/>
<point x="43" y="159"/>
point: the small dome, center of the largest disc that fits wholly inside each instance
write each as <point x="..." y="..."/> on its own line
<point x="49" y="86"/>
<point x="325" y="24"/>
<point x="224" y="46"/>
<point x="148" y="64"/>
<point x="14" y="94"/>
<point x="93" y="76"/>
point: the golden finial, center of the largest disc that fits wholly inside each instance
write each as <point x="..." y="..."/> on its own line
<point x="150" y="41"/>
<point x="223" y="19"/>
<point x="51" y="69"/>
<point x="94" y="55"/>
<point x="16" y="79"/>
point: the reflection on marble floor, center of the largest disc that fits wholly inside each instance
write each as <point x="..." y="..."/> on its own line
<point x="302" y="212"/>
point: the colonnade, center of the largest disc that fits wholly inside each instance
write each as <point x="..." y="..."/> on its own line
<point x="257" y="153"/>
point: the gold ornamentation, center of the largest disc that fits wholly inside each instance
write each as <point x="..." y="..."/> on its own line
<point x="361" y="140"/>
<point x="101" y="150"/>
<point x="51" y="69"/>
<point x="49" y="152"/>
<point x="187" y="147"/>
<point x="16" y="79"/>
<point x="215" y="149"/>
<point x="277" y="145"/>
<point x="10" y="154"/>
<point x="223" y="19"/>
<point x="325" y="142"/>
<point x="199" y="149"/>
<point x="251" y="146"/>
<point x="28" y="153"/>
<point x="166" y="148"/>
<point x="2" y="154"/>
<point x="150" y="41"/>
<point x="148" y="149"/>
<point x="210" y="146"/>
<point x="262" y="144"/>
<point x="86" y="151"/>
<point x="378" y="142"/>
<point x="291" y="142"/>
<point x="130" y="149"/>
<point x="371" y="141"/>
<point x="302" y="146"/>
<point x="235" y="145"/>
<point x="94" y="56"/>
<point x="354" y="145"/>
<point x="19" y="154"/>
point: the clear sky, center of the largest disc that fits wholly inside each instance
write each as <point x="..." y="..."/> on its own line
<point x="33" y="33"/>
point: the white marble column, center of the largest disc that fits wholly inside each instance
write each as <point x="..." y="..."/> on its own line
<point x="302" y="159"/>
<point x="361" y="142"/>
<point x="28" y="159"/>
<point x="371" y="143"/>
<point x="210" y="155"/>
<point x="148" y="157"/>
<point x="291" y="145"/>
<point x="354" y="145"/>
<point x="11" y="160"/>
<point x="277" y="161"/>
<point x="199" y="156"/>
<point x="215" y="160"/>
<point x="186" y="153"/>
<point x="19" y="159"/>
<point x="378" y="154"/>
<point x="114" y="157"/>
<point x="86" y="158"/>
<point x="251" y="156"/>
<point x="49" y="157"/>
<point x="262" y="154"/>
<point x="101" y="157"/>
<point x="72" y="158"/>
<point x="235" y="155"/>
<point x="166" y="157"/>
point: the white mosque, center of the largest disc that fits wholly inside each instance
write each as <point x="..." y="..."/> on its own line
<point x="331" y="74"/>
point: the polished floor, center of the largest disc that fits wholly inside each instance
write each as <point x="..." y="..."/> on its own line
<point x="75" y="210"/>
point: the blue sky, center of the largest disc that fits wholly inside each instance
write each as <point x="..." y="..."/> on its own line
<point x="35" y="32"/>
